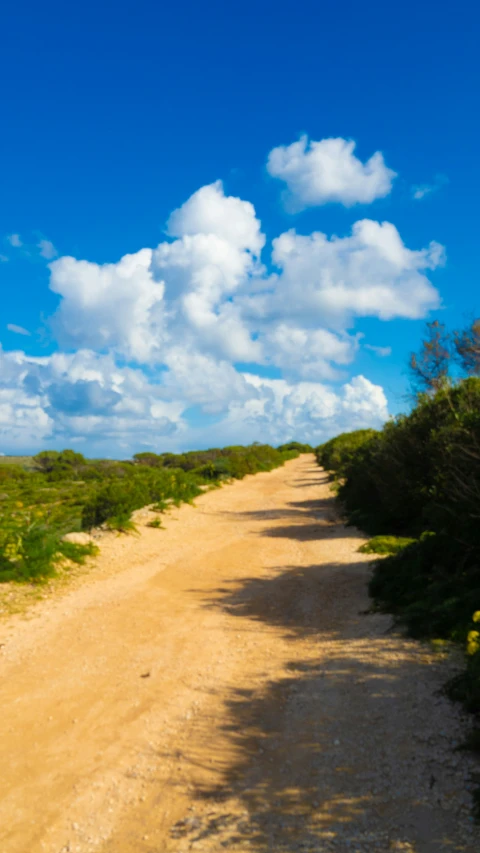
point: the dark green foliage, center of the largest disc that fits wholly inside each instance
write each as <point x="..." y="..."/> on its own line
<point x="385" y="545"/>
<point x="152" y="459"/>
<point x="225" y="463"/>
<point x="423" y="470"/>
<point x="60" y="464"/>
<point x="465" y="687"/>
<point x="117" y="498"/>
<point x="430" y="367"/>
<point x="296" y="445"/>
<point x="471" y="742"/>
<point x="420" y="478"/>
<point x="33" y="551"/>
<point x="337" y="454"/>
<point x="429" y="588"/>
<point x="467" y="348"/>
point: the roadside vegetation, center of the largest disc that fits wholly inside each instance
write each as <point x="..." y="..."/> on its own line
<point x="415" y="486"/>
<point x="44" y="497"/>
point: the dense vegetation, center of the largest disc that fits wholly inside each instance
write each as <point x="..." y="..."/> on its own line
<point x="57" y="492"/>
<point x="419" y="478"/>
<point x="416" y="485"/>
<point x="337" y="454"/>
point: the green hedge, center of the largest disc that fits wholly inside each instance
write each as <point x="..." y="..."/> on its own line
<point x="420" y="478"/>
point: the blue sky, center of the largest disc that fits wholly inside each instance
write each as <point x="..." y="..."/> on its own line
<point x="115" y="115"/>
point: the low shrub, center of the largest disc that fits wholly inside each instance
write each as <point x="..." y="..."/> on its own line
<point x="62" y="491"/>
<point x="31" y="549"/>
<point x="385" y="545"/>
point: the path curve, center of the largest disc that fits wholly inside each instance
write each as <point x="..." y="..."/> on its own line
<point x="218" y="685"/>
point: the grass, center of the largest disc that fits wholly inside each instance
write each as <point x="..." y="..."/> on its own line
<point x="385" y="545"/>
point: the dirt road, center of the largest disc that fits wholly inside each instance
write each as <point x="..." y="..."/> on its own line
<point x="217" y="685"/>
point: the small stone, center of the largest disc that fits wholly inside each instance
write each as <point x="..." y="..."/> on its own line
<point x="78" y="538"/>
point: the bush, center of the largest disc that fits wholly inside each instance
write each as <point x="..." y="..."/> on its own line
<point x="295" y="445"/>
<point x="419" y="479"/>
<point x="337" y="454"/>
<point x="423" y="470"/>
<point x="66" y="492"/>
<point x="385" y="545"/>
<point x="31" y="549"/>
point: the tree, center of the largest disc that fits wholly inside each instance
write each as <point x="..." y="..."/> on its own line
<point x="467" y="348"/>
<point x="429" y="368"/>
<point x="148" y="458"/>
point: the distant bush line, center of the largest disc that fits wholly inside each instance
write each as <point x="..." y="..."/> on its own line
<point x="57" y="492"/>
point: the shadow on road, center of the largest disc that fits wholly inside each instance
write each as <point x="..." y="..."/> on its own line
<point x="325" y="751"/>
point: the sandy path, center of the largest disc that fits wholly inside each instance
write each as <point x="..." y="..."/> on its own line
<point x="216" y="685"/>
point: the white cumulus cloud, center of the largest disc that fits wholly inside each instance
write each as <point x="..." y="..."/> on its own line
<point x="309" y="353"/>
<point x="109" y="306"/>
<point x="84" y="394"/>
<point x="161" y="339"/>
<point x="311" y="410"/>
<point x="328" y="171"/>
<point x="368" y="274"/>
<point x="210" y="211"/>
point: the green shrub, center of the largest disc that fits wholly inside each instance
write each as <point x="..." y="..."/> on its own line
<point x="31" y="549"/>
<point x="422" y="471"/>
<point x="61" y="491"/>
<point x="297" y="446"/>
<point x="336" y="455"/>
<point x="419" y="479"/>
<point x="122" y="523"/>
<point x="385" y="545"/>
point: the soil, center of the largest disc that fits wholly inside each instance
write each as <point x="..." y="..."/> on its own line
<point x="220" y="684"/>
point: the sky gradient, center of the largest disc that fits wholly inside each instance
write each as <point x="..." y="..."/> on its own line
<point x="229" y="222"/>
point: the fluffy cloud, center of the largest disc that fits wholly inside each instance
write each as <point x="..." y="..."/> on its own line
<point x="85" y="394"/>
<point x="15" y="240"/>
<point x="155" y="342"/>
<point x="308" y="409"/>
<point x="204" y="381"/>
<point x="209" y="211"/>
<point x="217" y="251"/>
<point x="124" y="306"/>
<point x="309" y="353"/>
<point x="206" y="291"/>
<point x="63" y="398"/>
<point x="328" y="171"/>
<point x="109" y="306"/>
<point x="368" y="274"/>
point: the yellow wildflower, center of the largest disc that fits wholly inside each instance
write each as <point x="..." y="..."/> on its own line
<point x="473" y="642"/>
<point x="476" y="616"/>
